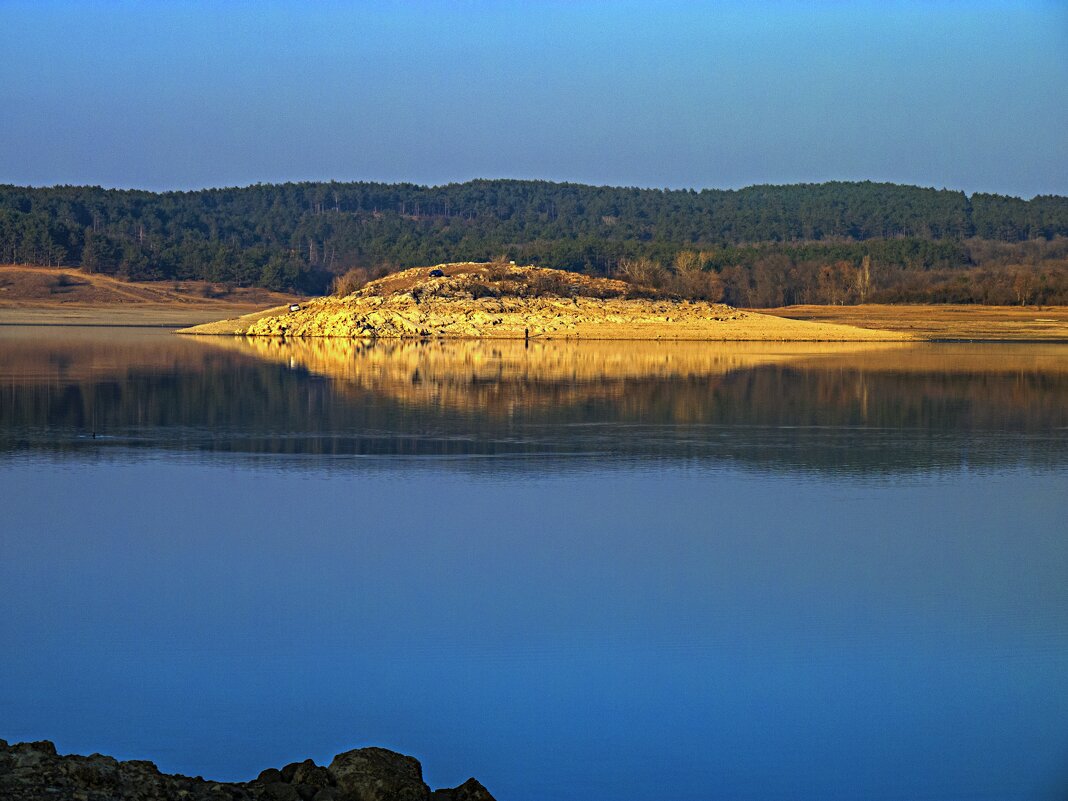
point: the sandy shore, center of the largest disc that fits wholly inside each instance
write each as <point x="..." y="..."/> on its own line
<point x="980" y="323"/>
<point x="140" y="315"/>
<point x="965" y="323"/>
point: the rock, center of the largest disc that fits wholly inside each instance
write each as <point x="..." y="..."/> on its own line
<point x="470" y="790"/>
<point x="95" y="772"/>
<point x="280" y="791"/>
<point x="307" y="772"/>
<point x="29" y="754"/>
<point x="493" y="301"/>
<point x="35" y="772"/>
<point x="375" y="774"/>
<point x="289" y="770"/>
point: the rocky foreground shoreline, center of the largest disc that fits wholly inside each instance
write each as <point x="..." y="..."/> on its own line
<point x="35" y="772"/>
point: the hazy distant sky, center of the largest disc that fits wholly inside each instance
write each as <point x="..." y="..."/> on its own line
<point x="160" y="95"/>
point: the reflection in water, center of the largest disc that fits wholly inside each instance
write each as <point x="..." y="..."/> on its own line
<point x="465" y="364"/>
<point x="830" y="407"/>
<point x="612" y="611"/>
<point x="378" y="363"/>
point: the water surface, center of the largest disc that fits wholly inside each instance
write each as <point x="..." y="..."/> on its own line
<point x="590" y="571"/>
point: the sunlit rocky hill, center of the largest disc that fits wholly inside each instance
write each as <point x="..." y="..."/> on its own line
<point x="505" y="301"/>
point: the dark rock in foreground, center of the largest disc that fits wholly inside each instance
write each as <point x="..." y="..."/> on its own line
<point x="470" y="790"/>
<point x="35" y="772"/>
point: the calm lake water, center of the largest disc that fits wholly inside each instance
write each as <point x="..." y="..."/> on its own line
<point x="605" y="572"/>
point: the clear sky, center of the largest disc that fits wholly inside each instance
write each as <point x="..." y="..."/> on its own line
<point x="178" y="95"/>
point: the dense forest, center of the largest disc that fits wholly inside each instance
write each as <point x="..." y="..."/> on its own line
<point x="760" y="246"/>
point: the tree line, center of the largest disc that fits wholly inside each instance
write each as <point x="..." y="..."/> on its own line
<point x="761" y="246"/>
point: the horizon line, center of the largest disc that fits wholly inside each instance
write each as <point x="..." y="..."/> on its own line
<point x="447" y="184"/>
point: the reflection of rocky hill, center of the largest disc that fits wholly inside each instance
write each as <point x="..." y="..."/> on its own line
<point x="891" y="408"/>
<point x="503" y="376"/>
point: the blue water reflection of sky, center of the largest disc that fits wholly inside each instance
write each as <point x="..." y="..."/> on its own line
<point x="678" y="633"/>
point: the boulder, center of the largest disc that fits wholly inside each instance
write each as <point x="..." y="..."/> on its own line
<point x="306" y="772"/>
<point x="470" y="790"/>
<point x="95" y="772"/>
<point x="376" y="774"/>
<point x="280" y="791"/>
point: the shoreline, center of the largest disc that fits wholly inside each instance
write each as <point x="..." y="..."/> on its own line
<point x="107" y="315"/>
<point x="930" y="323"/>
<point x="945" y="323"/>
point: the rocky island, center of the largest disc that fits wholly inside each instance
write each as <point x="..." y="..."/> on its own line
<point x="505" y="301"/>
<point x="34" y="772"/>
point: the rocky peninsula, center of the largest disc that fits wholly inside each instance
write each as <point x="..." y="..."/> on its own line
<point x="35" y="772"/>
<point x="499" y="301"/>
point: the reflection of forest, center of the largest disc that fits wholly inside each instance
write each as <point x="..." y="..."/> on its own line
<point x="881" y="408"/>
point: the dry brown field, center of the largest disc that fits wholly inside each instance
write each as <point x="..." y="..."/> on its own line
<point x="32" y="295"/>
<point x="988" y="323"/>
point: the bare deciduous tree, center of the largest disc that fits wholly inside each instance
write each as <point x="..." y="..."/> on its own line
<point x="642" y="271"/>
<point x="351" y="281"/>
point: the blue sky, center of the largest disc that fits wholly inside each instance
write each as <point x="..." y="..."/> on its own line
<point x="970" y="96"/>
